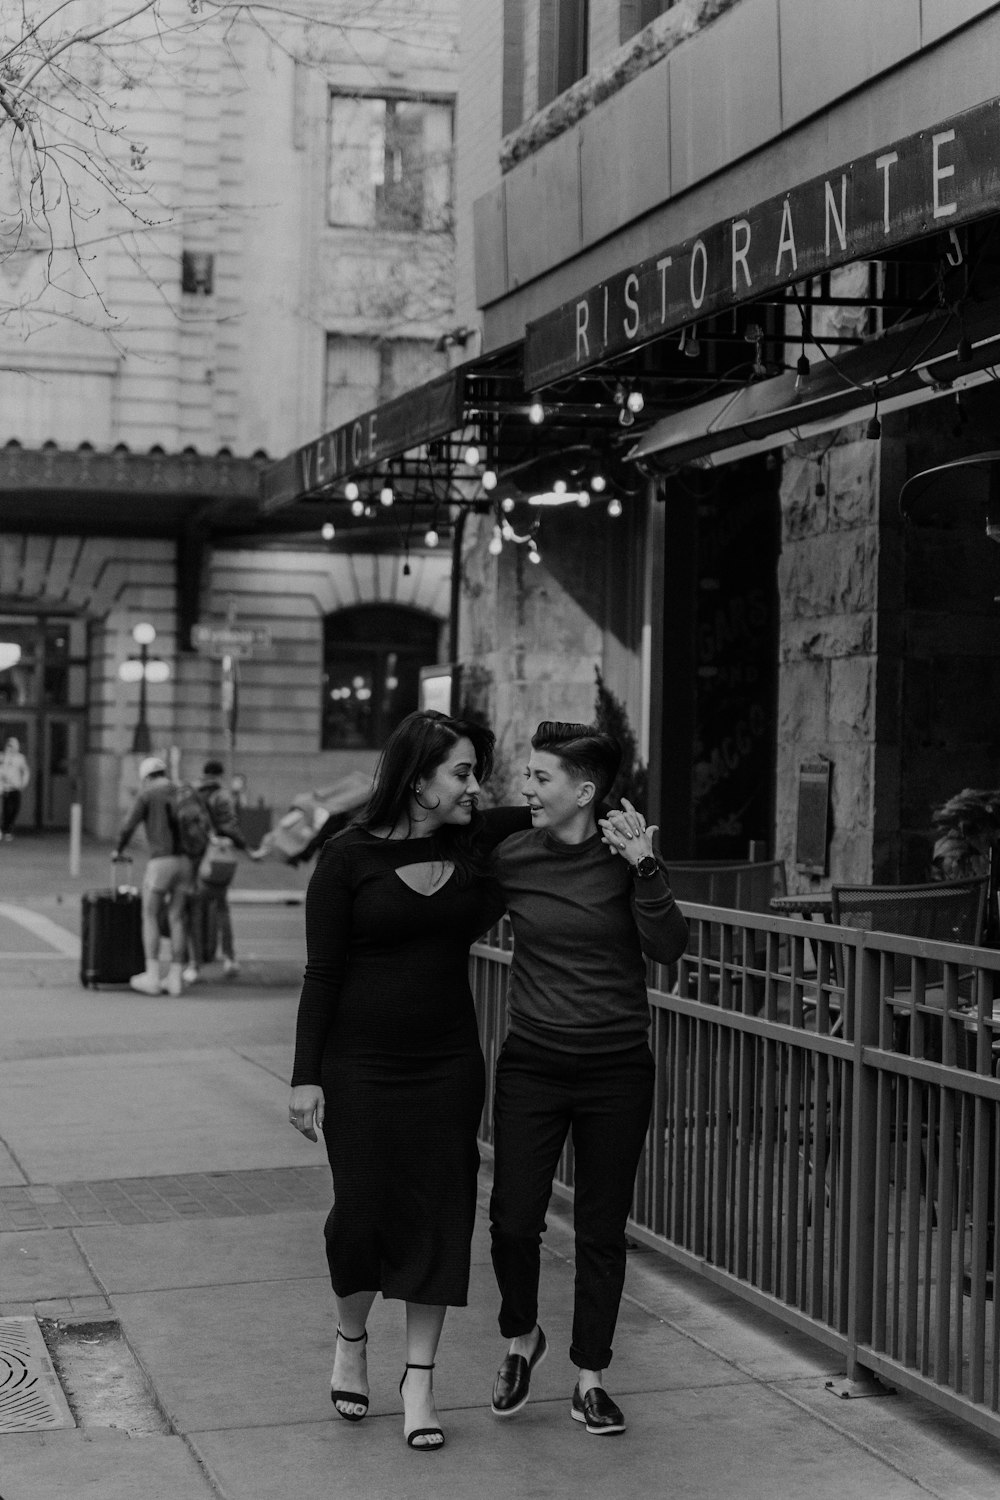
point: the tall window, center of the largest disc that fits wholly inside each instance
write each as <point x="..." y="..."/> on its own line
<point x="390" y="163"/>
<point x="362" y="373"/>
<point x="372" y="655"/>
<point x="562" y="46"/>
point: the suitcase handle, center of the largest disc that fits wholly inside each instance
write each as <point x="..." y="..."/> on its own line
<point x="116" y="860"/>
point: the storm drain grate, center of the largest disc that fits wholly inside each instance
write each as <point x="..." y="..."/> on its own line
<point x="31" y="1398"/>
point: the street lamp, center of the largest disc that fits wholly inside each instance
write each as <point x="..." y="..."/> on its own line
<point x="142" y="669"/>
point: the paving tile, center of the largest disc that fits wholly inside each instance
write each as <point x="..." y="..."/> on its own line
<point x="699" y="1445"/>
<point x="106" y="1464"/>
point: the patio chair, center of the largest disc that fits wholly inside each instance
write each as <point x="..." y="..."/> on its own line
<point x="949" y="911"/>
<point x="742" y="885"/>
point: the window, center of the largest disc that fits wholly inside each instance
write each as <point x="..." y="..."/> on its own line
<point x="390" y="163"/>
<point x="372" y="655"/>
<point x="562" y="46"/>
<point x="635" y="14"/>
<point x="361" y="373"/>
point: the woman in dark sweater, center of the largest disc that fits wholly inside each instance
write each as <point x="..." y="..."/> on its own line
<point x="387" y="1057"/>
<point x="576" y="1055"/>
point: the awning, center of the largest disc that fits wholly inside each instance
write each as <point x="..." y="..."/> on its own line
<point x="933" y="181"/>
<point x="417" y="445"/>
<point x="782" y="410"/>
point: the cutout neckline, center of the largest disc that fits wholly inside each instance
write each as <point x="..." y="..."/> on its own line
<point x="423" y="884"/>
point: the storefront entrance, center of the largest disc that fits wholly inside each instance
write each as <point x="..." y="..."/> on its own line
<point x="720" y="661"/>
<point x="43" y="704"/>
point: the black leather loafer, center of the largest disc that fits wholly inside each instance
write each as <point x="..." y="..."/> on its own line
<point x="513" y="1382"/>
<point x="596" y="1408"/>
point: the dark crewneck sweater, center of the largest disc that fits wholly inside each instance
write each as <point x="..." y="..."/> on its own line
<point x="581" y="924"/>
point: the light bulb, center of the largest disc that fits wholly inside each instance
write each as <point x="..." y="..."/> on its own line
<point x="583" y="499"/>
<point x="385" y="495"/>
<point x="143" y="634"/>
<point x="598" y="483"/>
<point x="625" y="418"/>
<point x="618" y="395"/>
<point x="357" y="507"/>
<point x="328" y="531"/>
<point x="472" y="455"/>
<point x="489" y="480"/>
<point x="496" y="542"/>
<point x="507" y="505"/>
<point x="614" y="507"/>
<point x="351" y="491"/>
<point x="507" y="531"/>
<point x="534" y="556"/>
<point x="536" y="413"/>
<point x="636" y="401"/>
<point x="559" y="487"/>
<point x="431" y="538"/>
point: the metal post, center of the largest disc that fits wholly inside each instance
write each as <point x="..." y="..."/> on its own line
<point x="75" y="826"/>
<point x="140" y="739"/>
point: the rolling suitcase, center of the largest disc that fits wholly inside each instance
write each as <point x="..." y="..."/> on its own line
<point x="111" y="934"/>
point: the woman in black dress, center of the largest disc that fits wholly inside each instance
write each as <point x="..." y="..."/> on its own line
<point x="387" y="1057"/>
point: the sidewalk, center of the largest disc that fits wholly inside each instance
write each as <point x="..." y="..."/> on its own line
<point x="150" y="1183"/>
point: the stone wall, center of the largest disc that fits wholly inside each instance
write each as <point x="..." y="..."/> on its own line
<point x="828" y="587"/>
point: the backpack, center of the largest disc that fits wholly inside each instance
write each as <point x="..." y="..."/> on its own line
<point x="192" y="821"/>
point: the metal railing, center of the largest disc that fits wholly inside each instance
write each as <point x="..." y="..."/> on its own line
<point x="824" y="1138"/>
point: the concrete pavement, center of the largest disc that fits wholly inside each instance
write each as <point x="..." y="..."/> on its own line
<point x="149" y="1181"/>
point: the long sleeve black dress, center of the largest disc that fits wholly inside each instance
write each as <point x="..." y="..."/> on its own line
<point x="386" y="1025"/>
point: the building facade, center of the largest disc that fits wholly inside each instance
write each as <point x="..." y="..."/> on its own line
<point x="277" y="255"/>
<point x="774" y="221"/>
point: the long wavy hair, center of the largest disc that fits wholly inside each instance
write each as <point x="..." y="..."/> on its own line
<point x="584" y="751"/>
<point x="411" y="754"/>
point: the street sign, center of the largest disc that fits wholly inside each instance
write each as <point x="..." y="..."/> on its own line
<point x="229" y="640"/>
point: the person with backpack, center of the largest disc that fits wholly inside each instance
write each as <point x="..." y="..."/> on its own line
<point x="168" y="875"/>
<point x="209" y="901"/>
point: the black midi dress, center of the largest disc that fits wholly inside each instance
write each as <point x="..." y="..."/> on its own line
<point x="386" y="1025"/>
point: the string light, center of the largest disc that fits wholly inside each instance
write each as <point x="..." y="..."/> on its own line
<point x="507" y="504"/>
<point x="534" y="556"/>
<point x="431" y="538"/>
<point x="626" y="418"/>
<point x="351" y="491"/>
<point x="635" y="401"/>
<point x="598" y="483"/>
<point x="386" y="497"/>
<point x="583" y="499"/>
<point x="559" y="487"/>
<point x="472" y="456"/>
<point x="328" y="531"/>
<point x="614" y="506"/>
<point x="496" y="542"/>
<point x="536" y="413"/>
<point x="489" y="480"/>
<point x="357" y="507"/>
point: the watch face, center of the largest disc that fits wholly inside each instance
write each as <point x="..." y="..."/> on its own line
<point x="646" y="866"/>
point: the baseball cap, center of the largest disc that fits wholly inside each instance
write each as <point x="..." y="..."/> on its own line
<point x="152" y="766"/>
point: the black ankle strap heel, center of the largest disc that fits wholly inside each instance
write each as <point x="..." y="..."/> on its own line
<point x="419" y="1432"/>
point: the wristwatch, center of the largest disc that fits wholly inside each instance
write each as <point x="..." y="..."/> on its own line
<point x="645" y="868"/>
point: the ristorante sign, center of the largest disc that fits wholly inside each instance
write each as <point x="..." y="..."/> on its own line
<point x="418" y="416"/>
<point x="926" y="183"/>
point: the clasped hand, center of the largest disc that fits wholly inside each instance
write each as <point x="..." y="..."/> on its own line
<point x="626" y="833"/>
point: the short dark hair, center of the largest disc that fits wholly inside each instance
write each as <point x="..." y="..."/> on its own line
<point x="213" y="768"/>
<point x="583" y="750"/>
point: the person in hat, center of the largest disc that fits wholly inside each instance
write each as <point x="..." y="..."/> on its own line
<point x="167" y="880"/>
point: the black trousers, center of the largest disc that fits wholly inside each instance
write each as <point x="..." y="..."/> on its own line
<point x="604" y="1099"/>
<point x="10" y="806"/>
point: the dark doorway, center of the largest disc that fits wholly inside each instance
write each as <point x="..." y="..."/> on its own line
<point x="720" y="660"/>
